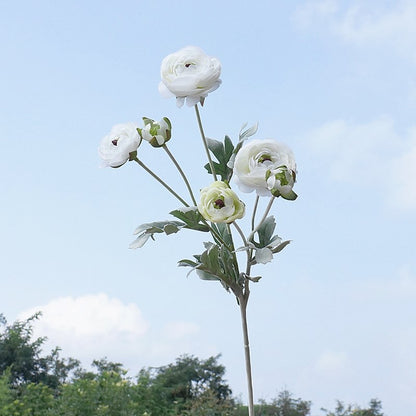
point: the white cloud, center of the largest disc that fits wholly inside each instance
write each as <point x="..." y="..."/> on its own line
<point x="369" y="154"/>
<point x="94" y="326"/>
<point x="364" y="23"/>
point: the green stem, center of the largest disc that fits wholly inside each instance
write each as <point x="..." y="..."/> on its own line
<point x="162" y="182"/>
<point x="243" y="311"/>
<point x="254" y="212"/>
<point x="204" y="140"/>
<point x="240" y="231"/>
<point x="263" y="218"/>
<point x="249" y="251"/>
<point x="185" y="179"/>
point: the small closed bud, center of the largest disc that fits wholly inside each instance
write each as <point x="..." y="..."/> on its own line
<point x="280" y="182"/>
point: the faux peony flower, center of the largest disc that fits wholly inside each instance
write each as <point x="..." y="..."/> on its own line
<point x="280" y="182"/>
<point x="115" y="148"/>
<point x="189" y="74"/>
<point x="219" y="203"/>
<point x="157" y="134"/>
<point x="258" y="157"/>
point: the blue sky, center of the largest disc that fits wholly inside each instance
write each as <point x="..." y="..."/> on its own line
<point x="334" y="315"/>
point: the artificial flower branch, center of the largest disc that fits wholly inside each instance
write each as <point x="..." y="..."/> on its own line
<point x="265" y="166"/>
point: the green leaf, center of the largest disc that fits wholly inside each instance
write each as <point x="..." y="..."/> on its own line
<point x="291" y="196"/>
<point x="263" y="255"/>
<point x="187" y="263"/>
<point x="281" y="246"/>
<point x="205" y="276"/>
<point x="215" y="263"/>
<point x="265" y="232"/>
<point x="159" y="227"/>
<point x="147" y="231"/>
<point x="191" y="217"/>
<point x="222" y="152"/>
<point x="223" y="230"/>
<point x="140" y="241"/>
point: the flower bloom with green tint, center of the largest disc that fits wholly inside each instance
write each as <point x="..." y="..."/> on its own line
<point x="157" y="134"/>
<point x="257" y="158"/>
<point x="115" y="148"/>
<point x="280" y="182"/>
<point x="219" y="203"/>
<point x="189" y="74"/>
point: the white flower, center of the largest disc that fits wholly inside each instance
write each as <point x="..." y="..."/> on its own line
<point x="115" y="148"/>
<point x="189" y="74"/>
<point x="157" y="134"/>
<point x="219" y="203"/>
<point x="257" y="158"/>
<point x="280" y="182"/>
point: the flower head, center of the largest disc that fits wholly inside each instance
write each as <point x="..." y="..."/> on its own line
<point x="115" y="148"/>
<point x="157" y="134"/>
<point x="219" y="203"/>
<point x="257" y="158"/>
<point x="280" y="182"/>
<point x="189" y="74"/>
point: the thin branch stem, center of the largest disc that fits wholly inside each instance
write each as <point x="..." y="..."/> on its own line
<point x="204" y="140"/>
<point x="256" y="204"/>
<point x="266" y="213"/>
<point x="249" y="250"/>
<point x="161" y="181"/>
<point x="185" y="179"/>
<point x="243" y="311"/>
<point x="240" y="231"/>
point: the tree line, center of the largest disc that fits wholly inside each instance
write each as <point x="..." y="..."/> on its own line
<point x="36" y="384"/>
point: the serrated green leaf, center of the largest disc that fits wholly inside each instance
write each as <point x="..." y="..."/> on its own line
<point x="222" y="152"/>
<point x="148" y="230"/>
<point x="191" y="217"/>
<point x="157" y="227"/>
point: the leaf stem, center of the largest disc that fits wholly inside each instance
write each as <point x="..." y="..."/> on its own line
<point x="161" y="181"/>
<point x="204" y="140"/>
<point x="185" y="179"/>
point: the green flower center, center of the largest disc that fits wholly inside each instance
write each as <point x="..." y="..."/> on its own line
<point x="265" y="158"/>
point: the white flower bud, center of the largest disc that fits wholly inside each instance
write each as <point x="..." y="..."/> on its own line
<point x="157" y="134"/>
